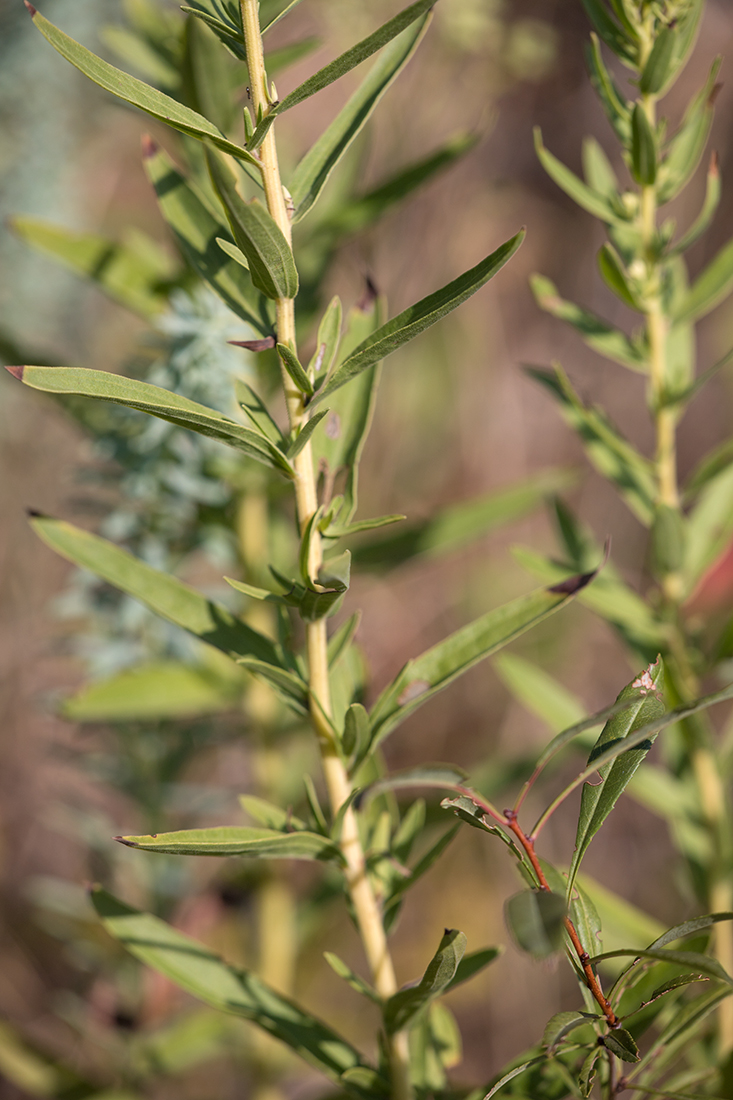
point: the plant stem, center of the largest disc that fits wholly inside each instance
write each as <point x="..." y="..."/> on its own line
<point x="366" y="907"/>
<point x="591" y="979"/>
<point x="711" y="793"/>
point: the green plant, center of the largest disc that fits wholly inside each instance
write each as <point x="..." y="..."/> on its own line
<point x="364" y="839"/>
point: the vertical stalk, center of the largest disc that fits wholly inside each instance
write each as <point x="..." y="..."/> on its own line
<point x="366" y="907"/>
<point x="711" y="793"/>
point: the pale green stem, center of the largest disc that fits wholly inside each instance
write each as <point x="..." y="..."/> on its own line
<point x="366" y="907"/>
<point x="705" y="768"/>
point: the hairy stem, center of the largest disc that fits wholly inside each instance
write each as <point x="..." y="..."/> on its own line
<point x="366" y="907"/>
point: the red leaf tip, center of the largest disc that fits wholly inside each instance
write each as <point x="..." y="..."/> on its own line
<point x="150" y="148"/>
<point x="123" y="840"/>
<point x="17" y="372"/>
<point x="30" y="7"/>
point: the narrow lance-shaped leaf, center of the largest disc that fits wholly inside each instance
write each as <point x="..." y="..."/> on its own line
<point x="155" y="401"/>
<point x="401" y="1008"/>
<point x="164" y="594"/>
<point x="596" y="333"/>
<point x="598" y="801"/>
<point x="314" y="169"/>
<point x="237" y="840"/>
<point x="133" y="272"/>
<point x="424" y="676"/>
<point x="709" y="207"/>
<point x="461" y="523"/>
<point x="416" y="319"/>
<point x="590" y="200"/>
<point x="686" y="147"/>
<point x="615" y="37"/>
<point x="198" y="971"/>
<point x="710" y="288"/>
<point x="610" y="453"/>
<point x="197" y="230"/>
<point x="164" y="689"/>
<point x="343" y="64"/>
<point x="643" y="148"/>
<point x="136" y="92"/>
<point x="614" y="104"/>
<point x="269" y="255"/>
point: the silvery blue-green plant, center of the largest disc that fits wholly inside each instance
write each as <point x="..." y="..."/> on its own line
<point x="241" y="246"/>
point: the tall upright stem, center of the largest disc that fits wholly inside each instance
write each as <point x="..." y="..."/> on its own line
<point x="711" y="792"/>
<point x="366" y="907"/>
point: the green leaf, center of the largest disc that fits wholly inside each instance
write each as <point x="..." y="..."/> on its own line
<point x="206" y="73"/>
<point x="196" y="230"/>
<point x="363" y="211"/>
<point x="598" y="801"/>
<point x="462" y="523"/>
<point x="416" y="319"/>
<point x="303" y="435"/>
<point x="536" y="921"/>
<point x="691" y="960"/>
<point x="295" y="369"/>
<point x="337" y="450"/>
<point x="339" y="642"/>
<point x="609" y="31"/>
<point x="423" y="865"/>
<point x="660" y="68"/>
<point x="357" y="984"/>
<point x="157" y="402"/>
<point x="343" y="64"/>
<point x="233" y="840"/>
<point x="162" y="593"/>
<point x="616" y="277"/>
<point x="561" y="1024"/>
<point x="643" y="148"/>
<point x="689" y="927"/>
<point x="355" y="738"/>
<point x="710" y="288"/>
<point x="614" y="104"/>
<point x="269" y="256"/>
<point x="200" y="972"/>
<point x="165" y="689"/>
<point x="539" y="692"/>
<point x="597" y="334"/>
<point x="288" y="685"/>
<point x="709" y="207"/>
<point x="498" y="1085"/>
<point x="258" y="413"/>
<point x="327" y="340"/>
<point x="587" y="1074"/>
<point x="137" y="93"/>
<point x="275" y="19"/>
<point x="270" y="815"/>
<point x="314" y="169"/>
<point x="590" y="200"/>
<point x="424" y="676"/>
<point x="709" y="527"/>
<point x="610" y="453"/>
<point x="472" y="964"/>
<point x="133" y="272"/>
<point x="402" y="1008"/>
<point x="623" y="923"/>
<point x="685" y="149"/>
<point x="621" y="1043"/>
<point x="597" y="169"/>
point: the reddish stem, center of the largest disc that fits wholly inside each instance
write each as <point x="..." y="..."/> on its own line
<point x="591" y="979"/>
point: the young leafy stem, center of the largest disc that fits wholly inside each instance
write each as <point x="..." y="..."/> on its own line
<point x="591" y="979"/>
<point x="365" y="904"/>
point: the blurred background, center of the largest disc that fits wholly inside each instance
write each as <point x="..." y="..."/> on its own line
<point x="456" y="418"/>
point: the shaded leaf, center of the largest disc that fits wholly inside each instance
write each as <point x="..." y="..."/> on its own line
<point x="197" y="230"/>
<point x="536" y="921"/>
<point x="561" y="1024"/>
<point x="314" y="169"/>
<point x="357" y="984"/>
<point x="157" y="402"/>
<point x="685" y="149"/>
<point x="621" y="1043"/>
<point x="598" y="801"/>
<point x="136" y="92"/>
<point x="269" y="256"/>
<point x="200" y="972"/>
<point x="401" y="1008"/>
<point x="161" y="690"/>
<point x="133" y="272"/>
<point x="590" y="200"/>
<point x="237" y="840"/>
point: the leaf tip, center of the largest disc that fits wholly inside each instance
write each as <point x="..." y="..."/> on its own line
<point x="254" y="345"/>
<point x="17" y="372"/>
<point x="124" y="840"/>
<point x="572" y="585"/>
<point x="32" y="513"/>
<point x="369" y="296"/>
<point x="30" y="7"/>
<point x="149" y="147"/>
